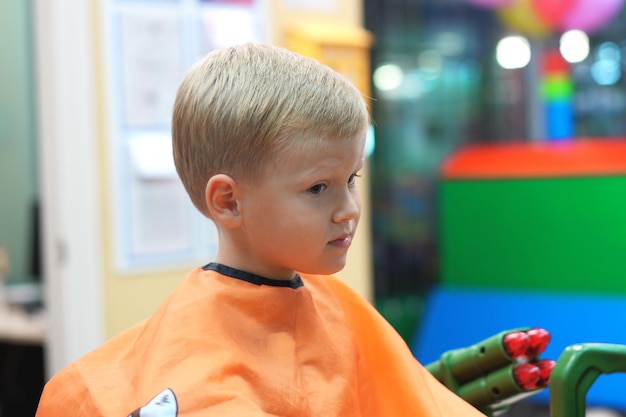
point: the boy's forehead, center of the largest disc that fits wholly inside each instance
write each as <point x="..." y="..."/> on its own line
<point x="306" y="141"/>
<point x="352" y="147"/>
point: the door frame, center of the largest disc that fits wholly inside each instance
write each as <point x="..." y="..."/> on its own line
<point x="71" y="214"/>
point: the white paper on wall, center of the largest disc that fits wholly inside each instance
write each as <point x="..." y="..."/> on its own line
<point x="151" y="156"/>
<point x="151" y="61"/>
<point x="312" y="5"/>
<point x="226" y="25"/>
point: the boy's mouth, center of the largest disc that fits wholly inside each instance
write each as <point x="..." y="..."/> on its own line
<point x="341" y="242"/>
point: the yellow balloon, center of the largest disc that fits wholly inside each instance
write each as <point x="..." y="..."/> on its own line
<point x="520" y="16"/>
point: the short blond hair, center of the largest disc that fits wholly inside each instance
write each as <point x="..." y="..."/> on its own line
<point x="238" y="107"/>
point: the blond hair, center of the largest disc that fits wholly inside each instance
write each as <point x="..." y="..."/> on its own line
<point x="239" y="107"/>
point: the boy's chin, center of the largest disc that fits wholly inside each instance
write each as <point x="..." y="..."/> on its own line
<point x="329" y="270"/>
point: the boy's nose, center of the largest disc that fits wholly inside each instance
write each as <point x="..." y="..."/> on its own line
<point x="350" y="207"/>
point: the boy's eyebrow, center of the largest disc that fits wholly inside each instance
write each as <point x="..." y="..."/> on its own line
<point x="309" y="173"/>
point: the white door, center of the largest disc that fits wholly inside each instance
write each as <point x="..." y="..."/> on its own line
<point x="68" y="136"/>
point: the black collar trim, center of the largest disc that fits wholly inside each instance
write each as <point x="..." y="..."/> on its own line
<point x="294" y="283"/>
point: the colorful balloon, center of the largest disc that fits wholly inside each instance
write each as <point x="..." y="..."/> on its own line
<point x="490" y="3"/>
<point x="538" y="18"/>
<point x="590" y="15"/>
<point x="552" y="12"/>
<point x="521" y="17"/>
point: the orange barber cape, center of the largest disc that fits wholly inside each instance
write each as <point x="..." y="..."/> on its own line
<point x="229" y="343"/>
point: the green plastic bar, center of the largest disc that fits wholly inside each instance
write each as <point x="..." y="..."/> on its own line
<point x="576" y="370"/>
<point x="456" y="367"/>
<point x="490" y="389"/>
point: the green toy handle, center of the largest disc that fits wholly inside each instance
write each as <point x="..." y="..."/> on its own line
<point x="576" y="370"/>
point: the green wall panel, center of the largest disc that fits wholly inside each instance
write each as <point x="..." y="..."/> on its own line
<point x="18" y="146"/>
<point x="555" y="234"/>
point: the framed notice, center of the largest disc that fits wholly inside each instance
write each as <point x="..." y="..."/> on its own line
<point x="149" y="45"/>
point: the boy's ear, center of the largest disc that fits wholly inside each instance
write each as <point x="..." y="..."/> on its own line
<point x="221" y="199"/>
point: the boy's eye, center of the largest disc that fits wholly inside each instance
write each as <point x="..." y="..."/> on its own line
<point x="317" y="188"/>
<point x="352" y="179"/>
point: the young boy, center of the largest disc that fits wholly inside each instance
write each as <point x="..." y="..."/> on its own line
<point x="268" y="145"/>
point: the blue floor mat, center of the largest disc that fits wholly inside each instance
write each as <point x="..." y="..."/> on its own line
<point x="456" y="318"/>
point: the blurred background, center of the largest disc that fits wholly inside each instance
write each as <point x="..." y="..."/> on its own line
<point x="493" y="194"/>
<point x="442" y="80"/>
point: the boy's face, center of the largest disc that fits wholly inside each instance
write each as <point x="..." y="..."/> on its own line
<point x="304" y="213"/>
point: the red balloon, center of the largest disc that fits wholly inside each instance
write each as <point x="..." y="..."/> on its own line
<point x="551" y="12"/>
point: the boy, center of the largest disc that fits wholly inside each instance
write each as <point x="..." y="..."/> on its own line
<point x="268" y="145"/>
